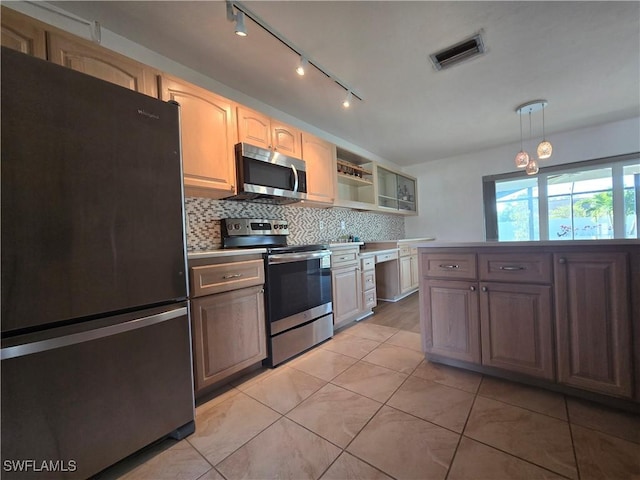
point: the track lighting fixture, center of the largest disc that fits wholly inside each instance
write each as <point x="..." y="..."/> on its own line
<point x="236" y="11"/>
<point x="347" y="100"/>
<point x="241" y="30"/>
<point x="238" y="17"/>
<point x="544" y="150"/>
<point x="303" y="63"/>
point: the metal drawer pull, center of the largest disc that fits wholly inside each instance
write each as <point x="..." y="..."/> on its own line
<point x="442" y="265"/>
<point x="234" y="275"/>
<point x="343" y="258"/>
<point x="512" y="268"/>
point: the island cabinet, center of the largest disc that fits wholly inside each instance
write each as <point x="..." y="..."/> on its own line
<point x="563" y="314"/>
<point x="262" y="131"/>
<point x="593" y="321"/>
<point x="450" y="317"/>
<point x="22" y="33"/>
<point x="208" y="129"/>
<point x="228" y="319"/>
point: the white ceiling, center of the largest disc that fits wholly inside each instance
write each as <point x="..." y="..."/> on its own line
<point x="583" y="57"/>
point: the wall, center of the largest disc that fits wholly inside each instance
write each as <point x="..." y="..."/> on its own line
<point x="204" y="215"/>
<point x="450" y="192"/>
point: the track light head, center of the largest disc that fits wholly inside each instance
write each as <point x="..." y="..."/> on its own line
<point x="238" y="17"/>
<point x="303" y="64"/>
<point x="241" y="30"/>
<point x="347" y="100"/>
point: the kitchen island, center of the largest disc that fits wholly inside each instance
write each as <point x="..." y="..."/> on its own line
<point x="564" y="315"/>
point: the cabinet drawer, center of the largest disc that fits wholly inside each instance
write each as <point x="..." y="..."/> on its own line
<point x="405" y="251"/>
<point x="368" y="280"/>
<point x="344" y="257"/>
<point x="369" y="299"/>
<point x="450" y="265"/>
<point x="385" y="257"/>
<point x="515" y="267"/>
<point x="368" y="263"/>
<point x="223" y="277"/>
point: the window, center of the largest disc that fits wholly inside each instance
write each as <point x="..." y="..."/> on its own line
<point x="596" y="199"/>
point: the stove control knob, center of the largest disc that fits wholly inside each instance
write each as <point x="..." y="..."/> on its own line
<point x="236" y="226"/>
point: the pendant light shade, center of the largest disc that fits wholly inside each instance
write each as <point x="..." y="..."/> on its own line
<point x="522" y="158"/>
<point x="301" y="66"/>
<point x="532" y="167"/>
<point x="545" y="149"/>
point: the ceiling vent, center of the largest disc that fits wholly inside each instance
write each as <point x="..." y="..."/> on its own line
<point x="465" y="50"/>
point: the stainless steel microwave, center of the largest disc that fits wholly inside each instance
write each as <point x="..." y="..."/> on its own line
<point x="267" y="176"/>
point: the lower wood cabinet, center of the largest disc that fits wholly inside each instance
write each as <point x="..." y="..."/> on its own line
<point x="565" y="314"/>
<point x="229" y="334"/>
<point x="593" y="321"/>
<point x="450" y="320"/>
<point x="347" y="293"/>
<point x="516" y="328"/>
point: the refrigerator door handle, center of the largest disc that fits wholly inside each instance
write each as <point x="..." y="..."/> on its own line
<point x="53" y="343"/>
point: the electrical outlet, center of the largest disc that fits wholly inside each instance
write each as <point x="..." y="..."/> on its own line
<point x="342" y="225"/>
<point x="321" y="225"/>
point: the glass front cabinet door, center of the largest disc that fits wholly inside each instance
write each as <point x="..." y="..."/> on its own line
<point x="396" y="191"/>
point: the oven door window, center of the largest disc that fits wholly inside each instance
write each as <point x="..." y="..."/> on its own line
<point x="297" y="286"/>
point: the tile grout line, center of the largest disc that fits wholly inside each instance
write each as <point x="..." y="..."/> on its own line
<point x="464" y="427"/>
<point x="573" y="443"/>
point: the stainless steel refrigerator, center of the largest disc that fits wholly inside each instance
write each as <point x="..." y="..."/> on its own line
<point x="96" y="348"/>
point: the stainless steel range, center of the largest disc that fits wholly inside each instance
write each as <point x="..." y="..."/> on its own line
<point x="298" y="286"/>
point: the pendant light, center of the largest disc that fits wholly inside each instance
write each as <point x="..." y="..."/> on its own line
<point x="532" y="167"/>
<point x="544" y="148"/>
<point x="522" y="158"/>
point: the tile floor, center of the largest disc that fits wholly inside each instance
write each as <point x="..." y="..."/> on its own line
<point x="365" y="405"/>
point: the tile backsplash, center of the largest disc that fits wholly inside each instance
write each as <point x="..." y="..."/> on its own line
<point x="306" y="224"/>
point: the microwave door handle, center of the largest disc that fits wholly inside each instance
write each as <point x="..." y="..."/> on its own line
<point x="295" y="178"/>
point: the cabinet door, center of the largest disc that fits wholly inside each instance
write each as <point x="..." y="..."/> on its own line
<point x="254" y="128"/>
<point x="415" y="271"/>
<point x="286" y="139"/>
<point x="450" y="319"/>
<point x="347" y="293"/>
<point x="208" y="138"/>
<point x="320" y="159"/>
<point x="406" y="281"/>
<point x="593" y="322"/>
<point x="23" y="34"/>
<point x="229" y="334"/>
<point x="99" y="62"/>
<point x="516" y="329"/>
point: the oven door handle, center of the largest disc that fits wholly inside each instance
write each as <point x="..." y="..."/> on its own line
<point x="296" y="257"/>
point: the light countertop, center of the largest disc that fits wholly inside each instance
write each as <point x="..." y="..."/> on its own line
<point x="227" y="252"/>
<point x="539" y="243"/>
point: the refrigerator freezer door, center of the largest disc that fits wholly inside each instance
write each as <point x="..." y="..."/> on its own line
<point x="89" y="399"/>
<point x="91" y="207"/>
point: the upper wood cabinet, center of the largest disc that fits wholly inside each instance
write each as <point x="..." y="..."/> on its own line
<point x="22" y="33"/>
<point x="86" y="57"/>
<point x="262" y="131"/>
<point x="208" y="138"/>
<point x="593" y="321"/>
<point x="320" y="160"/>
